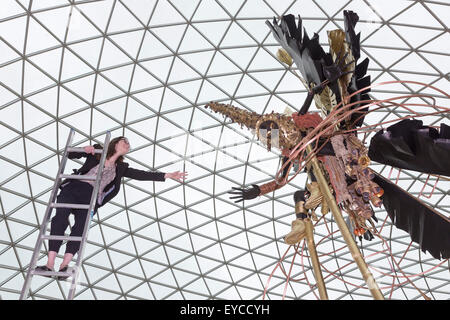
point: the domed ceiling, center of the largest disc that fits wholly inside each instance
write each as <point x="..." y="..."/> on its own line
<point x="145" y="69"/>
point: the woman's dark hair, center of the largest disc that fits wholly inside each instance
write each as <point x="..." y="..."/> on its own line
<point x="111" y="149"/>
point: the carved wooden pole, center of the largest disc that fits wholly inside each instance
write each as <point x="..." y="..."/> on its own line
<point x="354" y="250"/>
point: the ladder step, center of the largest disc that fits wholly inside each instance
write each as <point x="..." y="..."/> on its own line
<point x="77" y="177"/>
<point x="69" y="205"/>
<point x="76" y="149"/>
<point x="69" y="238"/>
<point x="51" y="273"/>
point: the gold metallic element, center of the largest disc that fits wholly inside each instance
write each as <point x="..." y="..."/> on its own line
<point x="324" y="209"/>
<point x="297" y="232"/>
<point x="338" y="48"/>
<point x="351" y="171"/>
<point x="315" y="199"/>
<point x="359" y="204"/>
<point x="284" y="57"/>
<point x="238" y="115"/>
<point x="279" y="129"/>
<point x="314" y="216"/>
<point x="364" y="161"/>
<point x="357" y="143"/>
<point x="326" y="100"/>
<point x="377" y="202"/>
<point x="378" y="191"/>
<point x="273" y="129"/>
<point x="315" y="260"/>
<point x="348" y="237"/>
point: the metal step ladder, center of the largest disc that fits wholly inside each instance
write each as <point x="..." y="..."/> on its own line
<point x="74" y="272"/>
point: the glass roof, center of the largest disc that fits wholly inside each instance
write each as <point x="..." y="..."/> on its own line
<point x="145" y="69"/>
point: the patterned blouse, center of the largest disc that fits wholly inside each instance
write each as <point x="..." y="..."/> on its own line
<point x="109" y="173"/>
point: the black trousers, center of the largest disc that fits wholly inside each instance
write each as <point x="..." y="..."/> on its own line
<point x="74" y="192"/>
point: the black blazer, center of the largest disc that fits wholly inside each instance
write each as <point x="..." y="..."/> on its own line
<point x="122" y="170"/>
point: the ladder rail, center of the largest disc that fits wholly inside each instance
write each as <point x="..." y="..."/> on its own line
<point x="45" y="220"/>
<point x="89" y="216"/>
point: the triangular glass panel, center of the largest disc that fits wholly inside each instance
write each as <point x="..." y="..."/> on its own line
<point x="35" y="79"/>
<point x="207" y="8"/>
<point x="419" y="12"/>
<point x="80" y="28"/>
<point x="159" y="67"/>
<point x="237" y="36"/>
<point x="165" y="14"/>
<point x="16" y="38"/>
<point x="255" y="9"/>
<point x="73" y="66"/>
<point x="113" y="56"/>
<point x="83" y="87"/>
<point x="143" y="80"/>
<point x="105" y="90"/>
<point x="152" y="47"/>
<point x="55" y="20"/>
<point x="122" y="19"/>
<point x="181" y="71"/>
<point x="213" y="31"/>
<point x="200" y="61"/>
<point x="193" y="41"/>
<point x="170" y="35"/>
<point x="129" y="41"/>
<point x="88" y="50"/>
<point x="241" y="56"/>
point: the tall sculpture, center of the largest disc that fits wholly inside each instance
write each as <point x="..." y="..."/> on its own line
<point x="337" y="161"/>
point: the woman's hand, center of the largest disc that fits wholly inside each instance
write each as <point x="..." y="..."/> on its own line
<point x="89" y="149"/>
<point x="177" y="175"/>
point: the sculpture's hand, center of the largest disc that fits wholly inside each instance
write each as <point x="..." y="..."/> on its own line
<point x="245" y="194"/>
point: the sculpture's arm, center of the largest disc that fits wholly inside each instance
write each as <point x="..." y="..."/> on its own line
<point x="241" y="194"/>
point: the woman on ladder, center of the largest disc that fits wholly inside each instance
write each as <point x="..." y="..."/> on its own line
<point x="80" y="191"/>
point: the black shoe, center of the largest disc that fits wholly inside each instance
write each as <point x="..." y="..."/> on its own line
<point x="65" y="269"/>
<point x="43" y="269"/>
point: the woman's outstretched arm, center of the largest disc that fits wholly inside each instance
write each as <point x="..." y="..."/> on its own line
<point x="153" y="176"/>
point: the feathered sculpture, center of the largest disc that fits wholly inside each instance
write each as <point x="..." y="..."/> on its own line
<point x="340" y="88"/>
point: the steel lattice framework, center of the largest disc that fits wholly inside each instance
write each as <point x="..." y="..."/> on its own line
<point x="145" y="69"/>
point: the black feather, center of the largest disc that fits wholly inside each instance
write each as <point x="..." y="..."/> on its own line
<point x="426" y="226"/>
